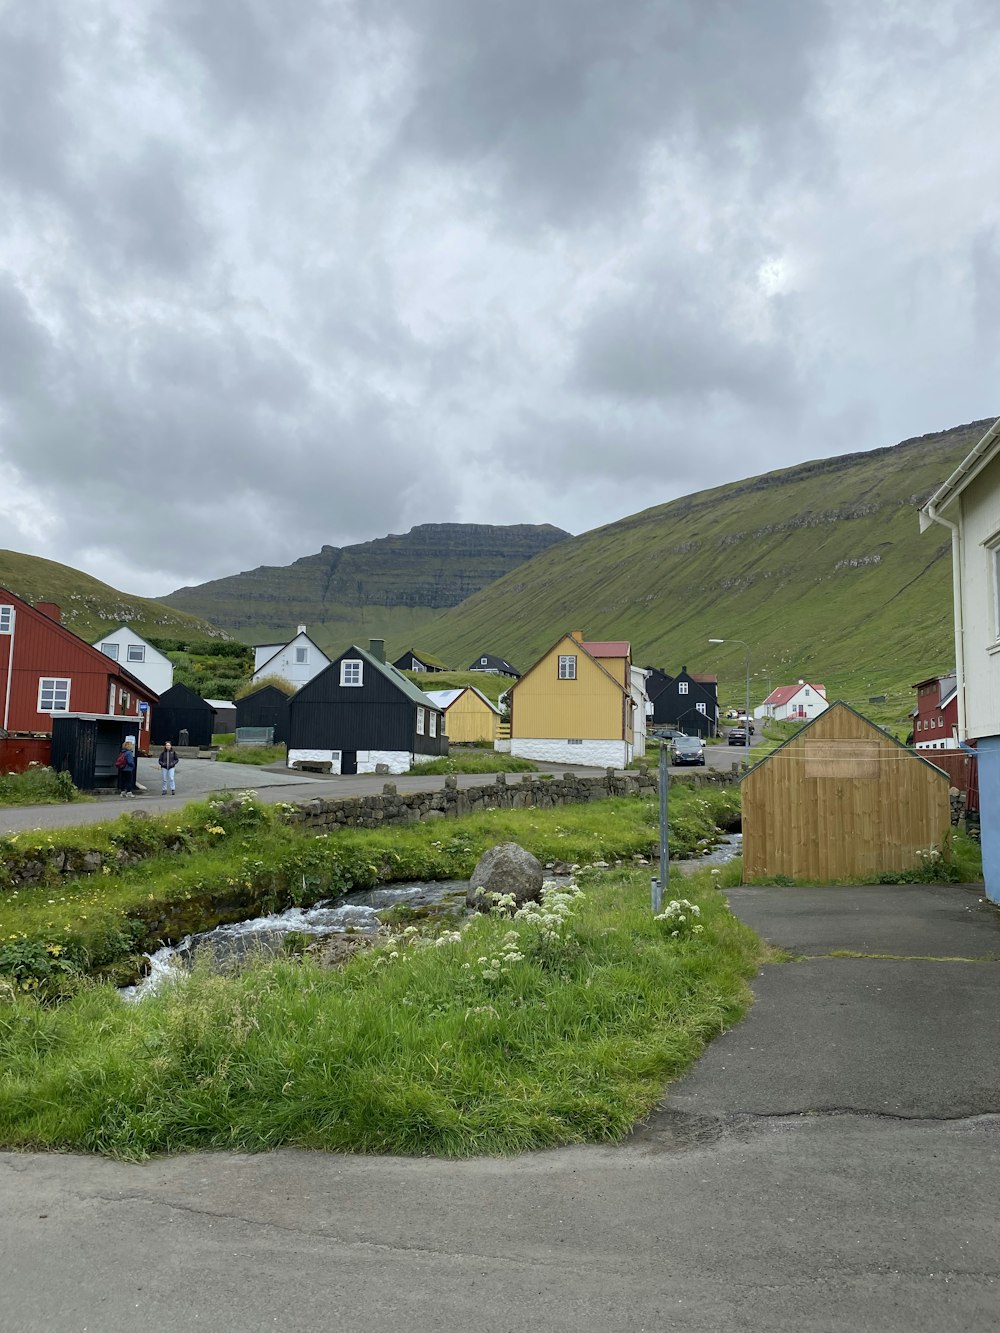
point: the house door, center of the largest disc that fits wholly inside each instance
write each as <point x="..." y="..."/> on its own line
<point x="348" y="761"/>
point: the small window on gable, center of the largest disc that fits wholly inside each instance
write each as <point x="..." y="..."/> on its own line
<point x="701" y="708"/>
<point x="351" y="671"/>
<point x="136" y="652"/>
<point x="301" y="656"/>
<point x="682" y="687"/>
<point x="110" y="650"/>
<point x="482" y="661"/>
<point x="434" y="724"/>
<point x="567" y="666"/>
<point x="6" y="620"/>
<point x="807" y="689"/>
<point x="420" y="721"/>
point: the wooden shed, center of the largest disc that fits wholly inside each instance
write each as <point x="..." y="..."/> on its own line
<point x="180" y="709"/>
<point x="841" y="800"/>
<point x="265" y="707"/>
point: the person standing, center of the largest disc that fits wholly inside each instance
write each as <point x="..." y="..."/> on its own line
<point x="125" y="763"/>
<point x="167" y="762"/>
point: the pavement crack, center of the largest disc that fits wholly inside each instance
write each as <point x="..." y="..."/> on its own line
<point x="896" y="957"/>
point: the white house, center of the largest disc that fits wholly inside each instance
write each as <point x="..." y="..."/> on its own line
<point x="794" y="703"/>
<point x="298" y="660"/>
<point x="968" y="505"/>
<point x="145" y="662"/>
<point x="642" y="709"/>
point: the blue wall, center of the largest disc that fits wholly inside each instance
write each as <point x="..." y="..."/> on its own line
<point x="989" y="812"/>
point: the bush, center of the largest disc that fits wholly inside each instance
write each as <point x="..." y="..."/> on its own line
<point x="38" y="785"/>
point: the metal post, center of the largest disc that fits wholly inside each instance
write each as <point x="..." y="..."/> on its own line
<point x="660" y="882"/>
<point x="746" y="734"/>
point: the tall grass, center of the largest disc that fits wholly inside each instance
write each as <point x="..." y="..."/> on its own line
<point x="475" y="761"/>
<point x="38" y="785"/>
<point x="426" y="1052"/>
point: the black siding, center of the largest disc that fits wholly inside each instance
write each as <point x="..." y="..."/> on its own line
<point x="671" y="708"/>
<point x="377" y="715"/>
<point x="267" y="707"/>
<point x="180" y="709"/>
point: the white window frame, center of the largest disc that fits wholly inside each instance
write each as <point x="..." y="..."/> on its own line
<point x="301" y="656"/>
<point x="702" y="709"/>
<point x="357" y="670"/>
<point x="420" y="721"/>
<point x="482" y="661"/>
<point x="6" y="619"/>
<point x="567" y="666"/>
<point x="135" y="652"/>
<point x="51" y="685"/>
<point x="682" y="687"/>
<point x="433" y="724"/>
<point x="110" y="650"/>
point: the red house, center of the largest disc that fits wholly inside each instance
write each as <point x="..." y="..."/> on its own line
<point x="46" y="669"/>
<point x="935" y="718"/>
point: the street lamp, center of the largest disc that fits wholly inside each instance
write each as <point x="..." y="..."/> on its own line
<point x="746" y="726"/>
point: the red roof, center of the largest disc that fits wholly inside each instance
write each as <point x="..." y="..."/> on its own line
<point x="704" y="680"/>
<point x="608" y="648"/>
<point x="783" y="693"/>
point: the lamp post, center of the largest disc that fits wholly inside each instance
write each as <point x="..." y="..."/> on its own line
<point x="746" y="725"/>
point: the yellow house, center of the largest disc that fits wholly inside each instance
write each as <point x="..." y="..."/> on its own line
<point x="468" y="714"/>
<point x="576" y="704"/>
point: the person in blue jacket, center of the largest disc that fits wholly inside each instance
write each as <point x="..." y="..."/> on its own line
<point x="167" y="762"/>
<point x="125" y="763"/>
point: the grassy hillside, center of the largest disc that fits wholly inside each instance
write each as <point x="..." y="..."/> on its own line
<point x="821" y="568"/>
<point x="91" y="608"/>
<point x="384" y="589"/>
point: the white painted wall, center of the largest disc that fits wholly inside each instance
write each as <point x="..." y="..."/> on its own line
<point x="155" y="671"/>
<point x="595" y="754"/>
<point x="980" y="511"/>
<point x="808" y="696"/>
<point x="263" y="653"/>
<point x="398" y="761"/>
<point x="283" y="661"/>
<point x="641" y="709"/>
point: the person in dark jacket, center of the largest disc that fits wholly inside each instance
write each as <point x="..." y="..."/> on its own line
<point x="167" y="762"/>
<point x="126" y="770"/>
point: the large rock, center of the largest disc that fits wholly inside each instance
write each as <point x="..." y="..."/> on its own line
<point x="507" y="868"/>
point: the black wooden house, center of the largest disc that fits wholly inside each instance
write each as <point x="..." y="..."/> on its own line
<point x="685" y="701"/>
<point x="494" y="666"/>
<point x="180" y="709"/>
<point x="266" y="707"/>
<point x="359" y="713"/>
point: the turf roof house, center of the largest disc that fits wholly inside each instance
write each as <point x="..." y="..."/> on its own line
<point x="685" y="701"/>
<point x="414" y="661"/>
<point x="297" y="661"/>
<point x="578" y="705"/>
<point x="968" y="505"/>
<point x="492" y="665"/>
<point x="360" y="713"/>
<point x="144" y="661"/>
<point x="46" y="669"/>
<point x="468" y="714"/>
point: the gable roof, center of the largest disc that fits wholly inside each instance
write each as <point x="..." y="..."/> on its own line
<point x="969" y="468"/>
<point x="183" y="696"/>
<point x="493" y="660"/>
<point x="109" y="664"/>
<point x="104" y="638"/>
<point x="704" y="680"/>
<point x="445" y="698"/>
<point x="282" y="646"/>
<point x="783" y="693"/>
<point x="577" y="643"/>
<point x="824" y="716"/>
<point x="429" y="658"/>
<point x="386" y="669"/>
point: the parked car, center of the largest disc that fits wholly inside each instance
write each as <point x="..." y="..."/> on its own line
<point x="687" y="750"/>
<point x="668" y="733"/>
<point x="737" y="735"/>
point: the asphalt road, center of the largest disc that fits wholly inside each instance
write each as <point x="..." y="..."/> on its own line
<point x="830" y="1164"/>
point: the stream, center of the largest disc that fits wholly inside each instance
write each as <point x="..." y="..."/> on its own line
<point x="355" y="914"/>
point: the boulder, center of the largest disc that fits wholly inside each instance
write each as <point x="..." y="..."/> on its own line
<point x="507" y="868"/>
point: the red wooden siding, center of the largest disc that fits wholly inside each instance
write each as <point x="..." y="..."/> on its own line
<point x="18" y="753"/>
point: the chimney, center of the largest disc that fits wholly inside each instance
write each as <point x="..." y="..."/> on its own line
<point x="577" y="634"/>
<point x="377" y="649"/>
<point x="51" y="610"/>
<point x="300" y="629"/>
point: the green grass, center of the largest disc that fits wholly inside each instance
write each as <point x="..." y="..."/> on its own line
<point x="429" y="1052"/>
<point x="38" y="786"/>
<point x="476" y="761"/>
<point x="491" y="686"/>
<point x="231" y="858"/>
<point x="251" y="754"/>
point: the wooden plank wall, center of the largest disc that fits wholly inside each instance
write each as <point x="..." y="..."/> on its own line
<point x="841" y="801"/>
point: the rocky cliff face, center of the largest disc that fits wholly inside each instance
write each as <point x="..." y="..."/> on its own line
<point x="430" y="568"/>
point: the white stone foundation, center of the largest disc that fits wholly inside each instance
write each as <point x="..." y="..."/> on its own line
<point x="315" y="757"/>
<point x="592" y="754"/>
<point x="397" y="761"/>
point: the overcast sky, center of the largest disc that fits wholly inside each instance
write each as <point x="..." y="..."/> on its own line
<point x="280" y="273"/>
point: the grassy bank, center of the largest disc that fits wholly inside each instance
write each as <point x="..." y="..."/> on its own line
<point x="37" y="786"/>
<point x="511" y="1036"/>
<point x="235" y="858"/>
<point x="476" y="761"/>
<point x="260" y="755"/>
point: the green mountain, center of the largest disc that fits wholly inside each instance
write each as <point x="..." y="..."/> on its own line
<point x="91" y="608"/>
<point x="388" y="588"/>
<point x="820" y="568"/>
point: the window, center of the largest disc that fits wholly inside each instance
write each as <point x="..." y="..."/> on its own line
<point x="301" y="656"/>
<point x="420" y="721"/>
<point x="806" y="691"/>
<point x="136" y="652"/>
<point x="351" y="672"/>
<point x="434" y="724"/>
<point x="110" y="650"/>
<point x="567" y="666"/>
<point x="6" y="620"/>
<point x="571" y="741"/>
<point x="482" y="661"/>
<point x="53" y="695"/>
<point x="701" y="708"/>
<point x="682" y="687"/>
